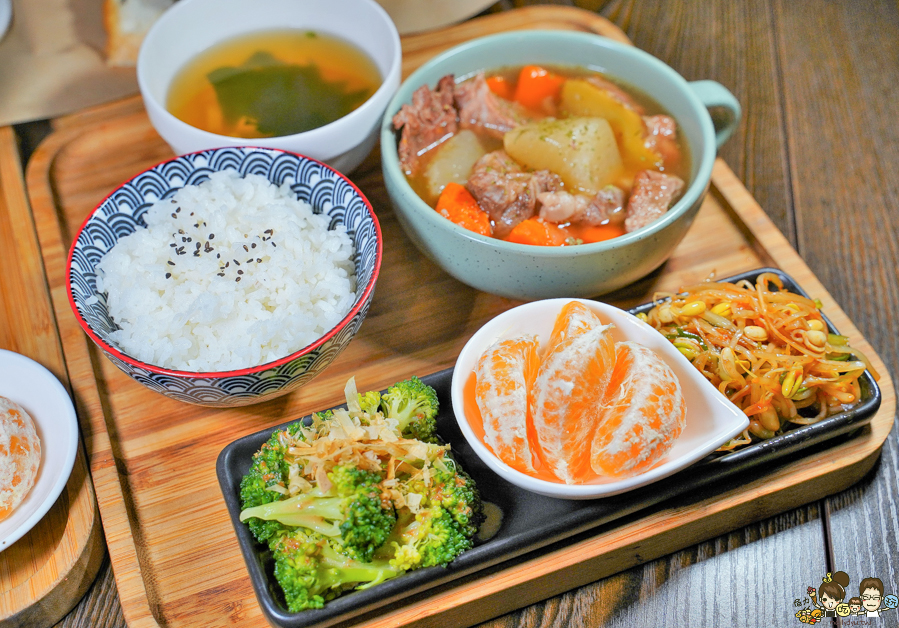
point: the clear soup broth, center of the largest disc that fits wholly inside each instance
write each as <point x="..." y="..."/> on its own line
<point x="272" y="83"/>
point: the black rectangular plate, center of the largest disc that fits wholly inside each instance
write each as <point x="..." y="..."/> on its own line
<point x="530" y="521"/>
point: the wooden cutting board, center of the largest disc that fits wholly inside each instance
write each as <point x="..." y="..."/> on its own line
<point x="152" y="459"/>
<point x="44" y="573"/>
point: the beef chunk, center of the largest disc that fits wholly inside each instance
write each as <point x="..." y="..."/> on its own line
<point x="481" y="109"/>
<point x="561" y="207"/>
<point x="661" y="135"/>
<point x="652" y="195"/>
<point x="506" y="192"/>
<point x="428" y="121"/>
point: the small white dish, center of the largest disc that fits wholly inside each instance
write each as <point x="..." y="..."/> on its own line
<point x="712" y="420"/>
<point x="44" y="398"/>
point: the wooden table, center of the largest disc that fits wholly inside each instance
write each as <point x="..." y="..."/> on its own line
<point x="818" y="151"/>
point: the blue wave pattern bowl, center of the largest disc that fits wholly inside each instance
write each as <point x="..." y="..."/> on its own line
<point x="122" y="213"/>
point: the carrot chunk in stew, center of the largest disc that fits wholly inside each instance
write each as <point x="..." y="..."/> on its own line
<point x="457" y="204"/>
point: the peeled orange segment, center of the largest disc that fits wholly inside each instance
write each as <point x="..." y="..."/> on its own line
<point x="20" y="455"/>
<point x="641" y="416"/>
<point x="570" y="384"/>
<point x="504" y="375"/>
<point x="574" y="319"/>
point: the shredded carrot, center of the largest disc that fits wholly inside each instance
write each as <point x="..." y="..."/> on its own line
<point x="539" y="232"/>
<point x="599" y="233"/>
<point x="458" y="205"/>
<point x="501" y="87"/>
<point x="535" y="85"/>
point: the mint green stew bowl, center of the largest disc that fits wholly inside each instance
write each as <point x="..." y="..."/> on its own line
<point x="526" y="272"/>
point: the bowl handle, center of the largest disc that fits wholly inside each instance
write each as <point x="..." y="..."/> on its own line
<point x="714" y="94"/>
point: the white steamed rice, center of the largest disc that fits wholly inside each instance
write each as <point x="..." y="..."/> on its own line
<point x="268" y="278"/>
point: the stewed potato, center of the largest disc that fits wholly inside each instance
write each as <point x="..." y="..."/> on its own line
<point x="581" y="150"/>
<point x="453" y="160"/>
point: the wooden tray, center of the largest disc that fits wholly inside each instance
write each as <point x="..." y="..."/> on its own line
<point x="174" y="554"/>
<point x="44" y="573"/>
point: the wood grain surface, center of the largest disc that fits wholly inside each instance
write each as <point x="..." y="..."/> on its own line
<point x="820" y="164"/>
<point x="47" y="571"/>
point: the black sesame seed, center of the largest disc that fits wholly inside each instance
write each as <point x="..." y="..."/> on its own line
<point x="218" y="256"/>
<point x="177" y="209"/>
<point x="171" y="263"/>
<point x="221" y="274"/>
<point x="168" y="275"/>
<point x="212" y="236"/>
<point x="253" y="246"/>
<point x="273" y="244"/>
<point x="240" y="272"/>
<point x="259" y="259"/>
<point x="190" y="239"/>
<point x="238" y="279"/>
<point x="249" y="260"/>
<point x="236" y="262"/>
<point x="245" y="248"/>
<point x="269" y="231"/>
<point x="174" y="215"/>
<point x="198" y="245"/>
<point x="181" y="231"/>
<point x="227" y="264"/>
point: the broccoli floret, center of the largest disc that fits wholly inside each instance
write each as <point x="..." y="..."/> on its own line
<point x="311" y="571"/>
<point x="429" y="538"/>
<point x="352" y="511"/>
<point x="448" y="517"/>
<point x="414" y="404"/>
<point x="370" y="401"/>
<point x="268" y="469"/>
<point x="458" y="494"/>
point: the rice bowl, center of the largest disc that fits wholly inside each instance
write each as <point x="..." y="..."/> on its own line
<point x="334" y="199"/>
<point x="228" y="274"/>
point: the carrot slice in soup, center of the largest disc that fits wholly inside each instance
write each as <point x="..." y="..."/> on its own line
<point x="501" y="87"/>
<point x="599" y="233"/>
<point x="504" y="376"/>
<point x="536" y="85"/>
<point x="538" y="232"/>
<point x="457" y="204"/>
